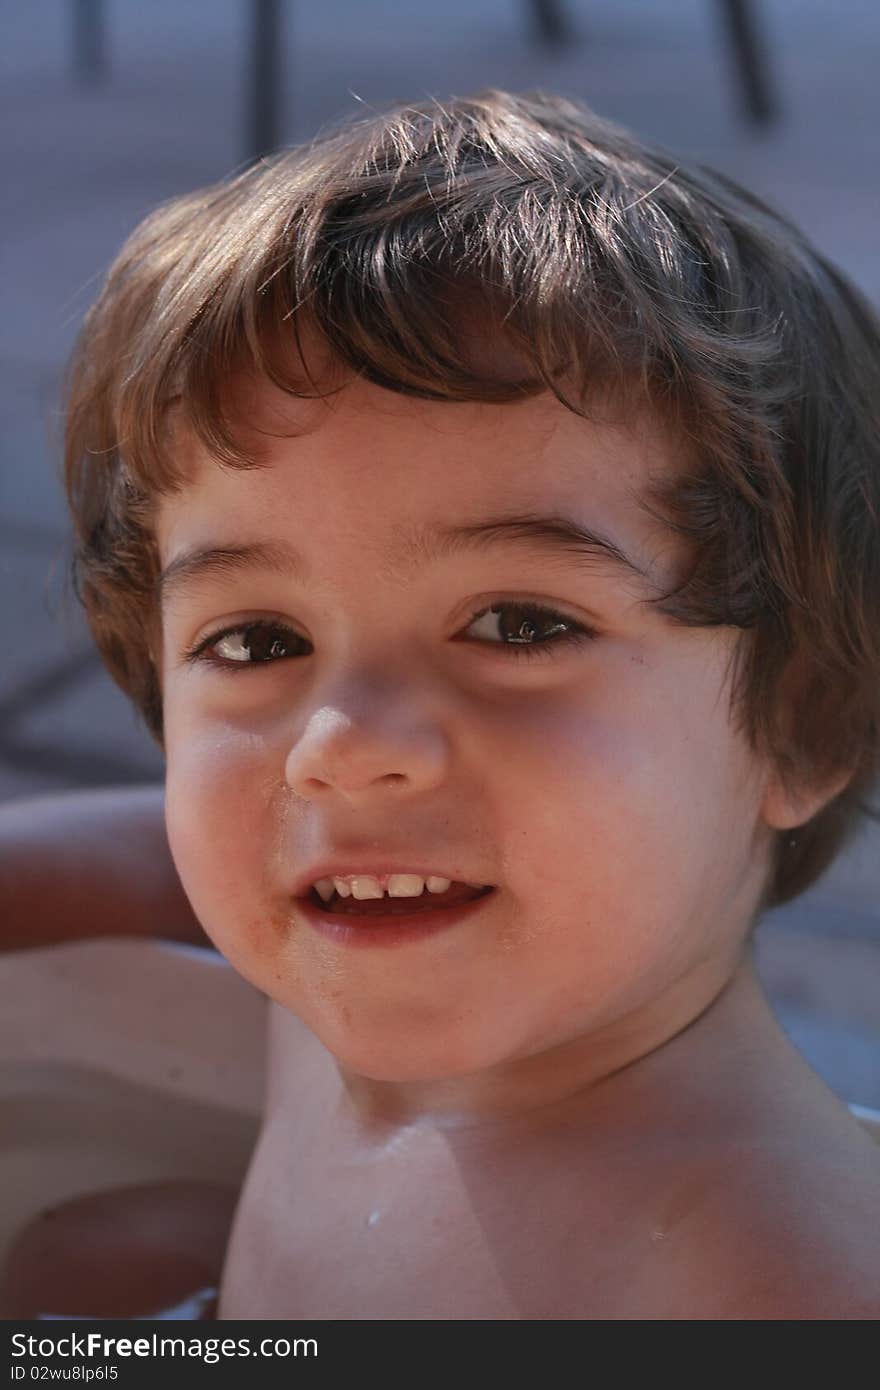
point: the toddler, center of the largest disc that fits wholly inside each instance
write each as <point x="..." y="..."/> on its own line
<point x="536" y="476"/>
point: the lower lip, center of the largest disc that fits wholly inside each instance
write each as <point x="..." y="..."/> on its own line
<point x="389" y="931"/>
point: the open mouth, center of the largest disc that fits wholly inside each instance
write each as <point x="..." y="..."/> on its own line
<point x="454" y="896"/>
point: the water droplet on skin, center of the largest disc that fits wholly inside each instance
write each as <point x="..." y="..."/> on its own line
<point x="373" y="1217"/>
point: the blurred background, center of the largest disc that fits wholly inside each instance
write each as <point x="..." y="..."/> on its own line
<point x="110" y="106"/>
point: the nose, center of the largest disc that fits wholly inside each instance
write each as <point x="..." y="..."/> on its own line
<point x="372" y="735"/>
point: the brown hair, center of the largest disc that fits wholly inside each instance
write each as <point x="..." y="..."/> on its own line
<point x="612" y="271"/>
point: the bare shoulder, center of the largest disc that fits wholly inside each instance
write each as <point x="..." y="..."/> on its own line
<point x="787" y="1228"/>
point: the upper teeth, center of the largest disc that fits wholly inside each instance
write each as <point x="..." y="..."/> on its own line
<point x="366" y="886"/>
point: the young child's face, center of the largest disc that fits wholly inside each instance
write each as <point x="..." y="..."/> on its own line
<point x="598" y="784"/>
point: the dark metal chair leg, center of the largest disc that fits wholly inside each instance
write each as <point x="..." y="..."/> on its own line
<point x="265" y="78"/>
<point x="750" y="56"/>
<point x="550" y="21"/>
<point x="89" y="49"/>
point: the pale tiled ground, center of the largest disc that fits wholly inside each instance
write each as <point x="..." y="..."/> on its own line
<point x="81" y="165"/>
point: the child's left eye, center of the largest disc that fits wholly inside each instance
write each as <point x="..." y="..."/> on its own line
<point x="264" y="643"/>
<point x="528" y="620"/>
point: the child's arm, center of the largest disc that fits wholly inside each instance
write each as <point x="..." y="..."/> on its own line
<point x="89" y="863"/>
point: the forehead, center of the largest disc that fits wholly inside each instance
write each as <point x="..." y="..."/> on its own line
<point x="381" y="470"/>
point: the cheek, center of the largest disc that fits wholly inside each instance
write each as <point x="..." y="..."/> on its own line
<point x="614" y="805"/>
<point x="220" y="815"/>
<point x="618" y="822"/>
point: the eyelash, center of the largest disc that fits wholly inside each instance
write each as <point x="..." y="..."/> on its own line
<point x="577" y="634"/>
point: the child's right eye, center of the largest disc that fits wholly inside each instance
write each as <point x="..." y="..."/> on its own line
<point x="249" y="644"/>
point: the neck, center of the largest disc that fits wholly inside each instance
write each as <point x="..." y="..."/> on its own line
<point x="574" y="1079"/>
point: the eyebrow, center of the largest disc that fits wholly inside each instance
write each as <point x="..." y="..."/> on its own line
<point x="552" y="536"/>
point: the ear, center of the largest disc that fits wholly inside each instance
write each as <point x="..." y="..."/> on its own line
<point x="785" y="809"/>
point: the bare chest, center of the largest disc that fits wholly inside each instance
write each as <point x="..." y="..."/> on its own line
<point x="428" y="1238"/>
<point x="328" y="1244"/>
